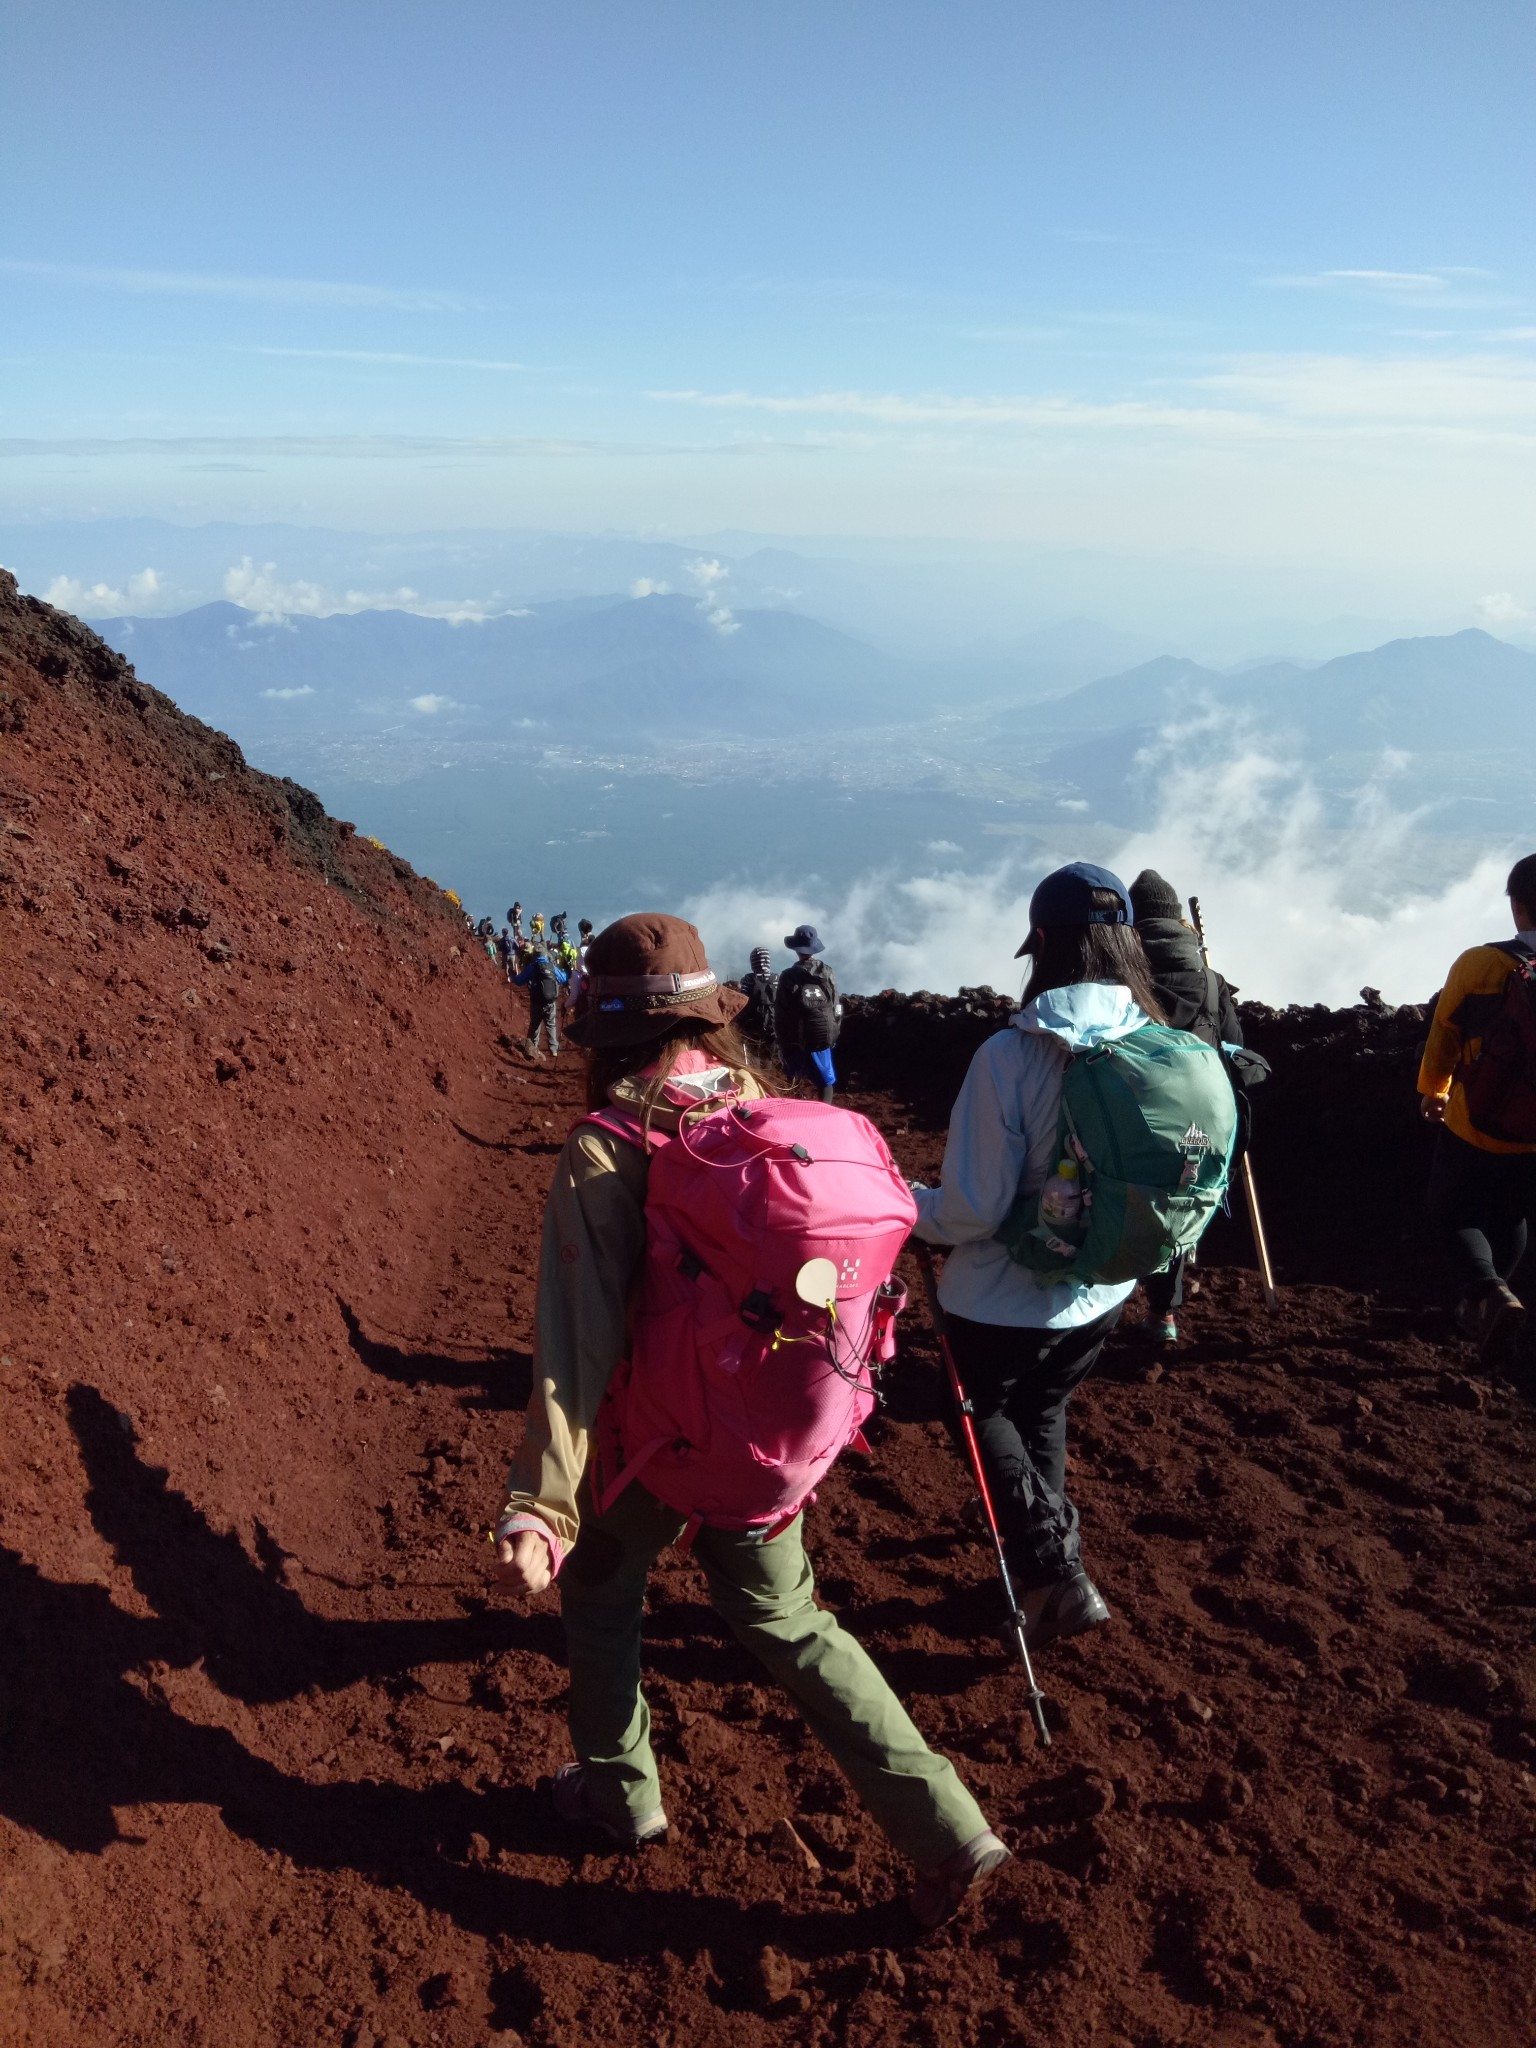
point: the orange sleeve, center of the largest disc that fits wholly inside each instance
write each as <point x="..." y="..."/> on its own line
<point x="1442" y="1050"/>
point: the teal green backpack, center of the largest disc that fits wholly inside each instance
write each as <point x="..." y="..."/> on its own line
<point x="1149" y="1122"/>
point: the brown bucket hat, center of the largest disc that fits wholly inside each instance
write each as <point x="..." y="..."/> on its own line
<point x="644" y="974"/>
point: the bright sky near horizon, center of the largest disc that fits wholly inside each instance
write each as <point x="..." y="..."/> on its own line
<point x="1141" y="276"/>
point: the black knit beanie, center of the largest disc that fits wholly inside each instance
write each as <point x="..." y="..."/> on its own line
<point x="1152" y="897"/>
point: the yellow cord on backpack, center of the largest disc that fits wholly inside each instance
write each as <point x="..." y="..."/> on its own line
<point x="780" y="1338"/>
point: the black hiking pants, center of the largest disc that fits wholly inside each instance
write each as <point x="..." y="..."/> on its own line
<point x="1165" y="1291"/>
<point x="1482" y="1204"/>
<point x="1019" y="1382"/>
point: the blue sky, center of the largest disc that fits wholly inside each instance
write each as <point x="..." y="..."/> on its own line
<point x="1217" y="276"/>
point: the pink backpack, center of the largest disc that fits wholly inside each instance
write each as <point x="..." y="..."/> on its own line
<point x="738" y="1391"/>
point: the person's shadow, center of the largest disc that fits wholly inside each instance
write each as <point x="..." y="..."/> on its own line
<point x="87" y="1729"/>
<point x="504" y="1374"/>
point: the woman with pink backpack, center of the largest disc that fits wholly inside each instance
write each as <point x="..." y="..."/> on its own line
<point x="714" y="1291"/>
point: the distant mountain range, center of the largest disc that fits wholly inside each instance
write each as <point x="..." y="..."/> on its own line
<point x="1460" y="692"/>
<point x="617" y="669"/>
<point x="621" y="672"/>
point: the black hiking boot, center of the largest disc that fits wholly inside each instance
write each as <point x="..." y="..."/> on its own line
<point x="1065" y="1608"/>
<point x="1494" y="1320"/>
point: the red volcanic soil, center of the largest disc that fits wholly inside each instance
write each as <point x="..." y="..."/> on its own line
<point x="270" y="1179"/>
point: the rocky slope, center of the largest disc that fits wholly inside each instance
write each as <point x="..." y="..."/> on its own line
<point x="270" y="1179"/>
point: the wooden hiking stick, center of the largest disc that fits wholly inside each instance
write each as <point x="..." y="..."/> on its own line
<point x="1250" y="1186"/>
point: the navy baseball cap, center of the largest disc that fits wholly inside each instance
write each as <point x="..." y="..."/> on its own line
<point x="1066" y="897"/>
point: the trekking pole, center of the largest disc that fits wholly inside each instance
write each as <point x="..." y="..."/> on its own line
<point x="968" y="1430"/>
<point x="1250" y="1186"/>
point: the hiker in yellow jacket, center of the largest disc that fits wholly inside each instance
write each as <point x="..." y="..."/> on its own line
<point x="1482" y="1190"/>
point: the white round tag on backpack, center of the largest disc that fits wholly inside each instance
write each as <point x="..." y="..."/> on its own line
<point x="816" y="1282"/>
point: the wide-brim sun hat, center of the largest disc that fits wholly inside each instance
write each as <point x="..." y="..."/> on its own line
<point x="803" y="939"/>
<point x="646" y="973"/>
<point x="1067" y="898"/>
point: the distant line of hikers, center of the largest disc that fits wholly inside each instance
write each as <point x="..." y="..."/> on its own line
<point x="716" y="1293"/>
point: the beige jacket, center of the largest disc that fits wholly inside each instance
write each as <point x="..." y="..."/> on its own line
<point x="593" y="1245"/>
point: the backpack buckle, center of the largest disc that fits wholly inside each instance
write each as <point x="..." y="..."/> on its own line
<point x="759" y="1313"/>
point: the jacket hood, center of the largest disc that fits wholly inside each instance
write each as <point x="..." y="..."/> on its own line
<point x="1086" y="1013"/>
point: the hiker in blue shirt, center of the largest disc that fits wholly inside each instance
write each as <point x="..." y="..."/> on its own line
<point x="543" y="981"/>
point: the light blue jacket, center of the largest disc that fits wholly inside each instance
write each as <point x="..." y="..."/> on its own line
<point x="1002" y="1138"/>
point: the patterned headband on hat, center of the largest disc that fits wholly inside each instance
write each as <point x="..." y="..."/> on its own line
<point x="650" y="991"/>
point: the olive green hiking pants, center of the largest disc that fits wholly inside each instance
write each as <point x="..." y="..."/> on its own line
<point x="763" y="1591"/>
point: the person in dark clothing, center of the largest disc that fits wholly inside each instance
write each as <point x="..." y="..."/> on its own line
<point x="1193" y="995"/>
<point x="807" y="1014"/>
<point x="1482" y="1188"/>
<point x="543" y="981"/>
<point x="1194" y="998"/>
<point x="756" y="1022"/>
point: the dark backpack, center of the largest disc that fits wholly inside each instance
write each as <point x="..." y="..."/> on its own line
<point x="1245" y="1067"/>
<point x="545" y="983"/>
<point x="814" y="1008"/>
<point x="1499" y="1085"/>
<point x="757" y="1019"/>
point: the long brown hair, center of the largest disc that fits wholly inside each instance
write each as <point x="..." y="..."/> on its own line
<point x="607" y="1065"/>
<point x="1070" y="953"/>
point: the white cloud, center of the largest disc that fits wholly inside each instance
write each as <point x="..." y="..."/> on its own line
<point x="202" y="284"/>
<point x="956" y="410"/>
<point x="710" y="575"/>
<point x="648" y="586"/>
<point x="1501" y="609"/>
<point x="943" y="846"/>
<point x="1423" y="392"/>
<point x="389" y="357"/>
<point x="276" y="603"/>
<point x="1252" y="398"/>
<point x="304" y="690"/>
<point x="1378" y="280"/>
<point x="104" y="600"/>
<point x="430" y="704"/>
<point x="1299" y="906"/>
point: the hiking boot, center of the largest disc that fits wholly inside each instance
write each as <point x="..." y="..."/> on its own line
<point x="939" y="1894"/>
<point x="1493" y="1320"/>
<point x="570" y="1789"/>
<point x="1164" y="1332"/>
<point x="1064" y="1608"/>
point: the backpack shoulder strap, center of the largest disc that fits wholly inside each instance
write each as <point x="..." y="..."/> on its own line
<point x="625" y="1124"/>
<point x="1213" y="1002"/>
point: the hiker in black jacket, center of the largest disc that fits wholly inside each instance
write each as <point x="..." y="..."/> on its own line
<point x="1194" y="998"/>
<point x="757" y="1023"/>
<point x="807" y="1014"/>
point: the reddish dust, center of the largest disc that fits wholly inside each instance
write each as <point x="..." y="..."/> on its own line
<point x="270" y="1182"/>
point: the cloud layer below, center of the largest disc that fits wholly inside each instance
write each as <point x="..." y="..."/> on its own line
<point x="1298" y="906"/>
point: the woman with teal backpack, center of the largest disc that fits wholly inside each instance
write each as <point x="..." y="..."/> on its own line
<point x="1023" y="1338"/>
